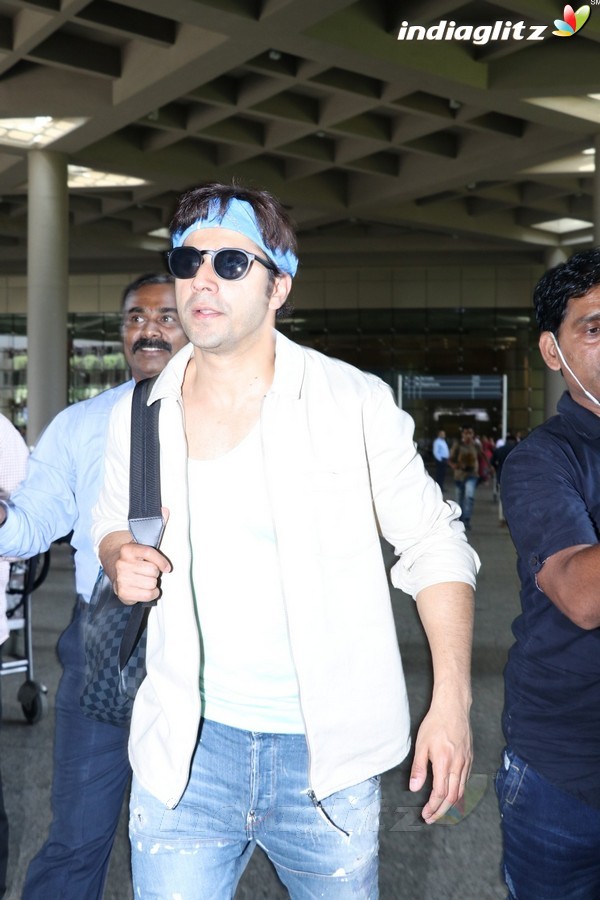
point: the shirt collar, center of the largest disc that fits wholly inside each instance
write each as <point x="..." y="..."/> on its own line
<point x="582" y="420"/>
<point x="288" y="379"/>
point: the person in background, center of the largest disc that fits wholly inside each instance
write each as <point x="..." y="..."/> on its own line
<point x="91" y="768"/>
<point x="464" y="460"/>
<point x="274" y="696"/>
<point x="440" y="454"/>
<point x="486" y="446"/>
<point x="548" y="783"/>
<point x="497" y="461"/>
<point x="13" y="464"/>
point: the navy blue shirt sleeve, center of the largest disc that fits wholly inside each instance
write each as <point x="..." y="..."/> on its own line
<point x="544" y="500"/>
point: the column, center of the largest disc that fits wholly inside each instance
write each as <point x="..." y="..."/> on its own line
<point x="47" y="289"/>
<point x="554" y="384"/>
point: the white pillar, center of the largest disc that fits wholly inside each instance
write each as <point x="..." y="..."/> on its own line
<point x="47" y="289"/>
<point x="554" y="384"/>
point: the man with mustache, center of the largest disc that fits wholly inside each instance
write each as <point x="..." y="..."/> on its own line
<point x="91" y="769"/>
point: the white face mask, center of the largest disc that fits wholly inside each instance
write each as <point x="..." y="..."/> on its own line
<point x="570" y="370"/>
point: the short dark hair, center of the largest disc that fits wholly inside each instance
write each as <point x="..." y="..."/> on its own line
<point x="148" y="278"/>
<point x="273" y="221"/>
<point x="566" y="281"/>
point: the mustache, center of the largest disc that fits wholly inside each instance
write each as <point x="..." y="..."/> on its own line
<point x="151" y="344"/>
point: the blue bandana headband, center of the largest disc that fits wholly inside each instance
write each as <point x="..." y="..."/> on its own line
<point x="239" y="216"/>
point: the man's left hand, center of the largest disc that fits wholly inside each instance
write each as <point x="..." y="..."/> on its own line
<point x="444" y="740"/>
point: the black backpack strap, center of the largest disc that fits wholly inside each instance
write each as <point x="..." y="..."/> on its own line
<point x="145" y="517"/>
<point x="144" y="467"/>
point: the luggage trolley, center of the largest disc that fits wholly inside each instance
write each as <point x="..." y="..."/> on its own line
<point x="25" y="576"/>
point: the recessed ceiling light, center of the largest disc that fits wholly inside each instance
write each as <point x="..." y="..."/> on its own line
<point x="564" y="225"/>
<point x="83" y="177"/>
<point x="564" y="165"/>
<point x="38" y="131"/>
<point x="160" y="233"/>
<point x="586" y="108"/>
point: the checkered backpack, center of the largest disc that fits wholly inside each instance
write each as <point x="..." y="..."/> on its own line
<point x="115" y="634"/>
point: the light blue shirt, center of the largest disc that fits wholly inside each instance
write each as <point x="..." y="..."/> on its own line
<point x="64" y="477"/>
<point x="440" y="449"/>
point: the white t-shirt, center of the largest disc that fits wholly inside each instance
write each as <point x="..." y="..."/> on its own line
<point x="248" y="678"/>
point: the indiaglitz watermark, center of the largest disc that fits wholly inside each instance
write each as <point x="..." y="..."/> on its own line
<point x="408" y="818"/>
<point x="448" y="30"/>
<point x="501" y="30"/>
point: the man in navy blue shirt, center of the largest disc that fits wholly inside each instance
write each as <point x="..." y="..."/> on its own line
<point x="548" y="784"/>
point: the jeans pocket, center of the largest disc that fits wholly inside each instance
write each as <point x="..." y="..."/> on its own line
<point x="509" y="779"/>
<point x="352" y="810"/>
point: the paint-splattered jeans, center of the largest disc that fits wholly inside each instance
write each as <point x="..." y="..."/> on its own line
<point x="249" y="789"/>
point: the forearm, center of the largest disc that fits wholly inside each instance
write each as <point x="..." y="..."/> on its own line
<point x="43" y="508"/>
<point x="31" y="522"/>
<point x="444" y="738"/>
<point x="446" y="611"/>
<point x="570" y="580"/>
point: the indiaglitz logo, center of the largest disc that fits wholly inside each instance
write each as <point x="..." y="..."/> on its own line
<point x="445" y="30"/>
<point x="449" y="30"/>
<point x="572" y="21"/>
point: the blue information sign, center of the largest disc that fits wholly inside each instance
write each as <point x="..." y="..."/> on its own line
<point x="461" y="387"/>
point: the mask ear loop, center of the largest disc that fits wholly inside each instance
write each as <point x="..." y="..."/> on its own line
<point x="571" y="372"/>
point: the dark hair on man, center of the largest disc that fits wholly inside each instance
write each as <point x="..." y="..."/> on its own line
<point x="273" y="221"/>
<point x="142" y="281"/>
<point x="564" y="282"/>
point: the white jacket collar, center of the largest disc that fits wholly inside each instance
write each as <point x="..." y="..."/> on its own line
<point x="288" y="380"/>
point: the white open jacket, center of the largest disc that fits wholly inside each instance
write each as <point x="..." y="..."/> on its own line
<point x="339" y="461"/>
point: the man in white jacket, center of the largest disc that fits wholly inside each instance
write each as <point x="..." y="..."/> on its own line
<point x="275" y="695"/>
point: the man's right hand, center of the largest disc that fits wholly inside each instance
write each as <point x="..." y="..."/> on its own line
<point x="138" y="570"/>
<point x="134" y="569"/>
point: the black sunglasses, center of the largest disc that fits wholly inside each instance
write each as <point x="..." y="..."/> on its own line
<point x="228" y="263"/>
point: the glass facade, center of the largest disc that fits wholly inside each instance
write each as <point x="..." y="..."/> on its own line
<point x="96" y="360"/>
<point x="445" y="342"/>
<point x="389" y="342"/>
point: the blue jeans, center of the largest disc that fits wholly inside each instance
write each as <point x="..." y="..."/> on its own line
<point x="551" y="839"/>
<point x="90" y="778"/>
<point x="245" y="789"/>
<point x="465" y="496"/>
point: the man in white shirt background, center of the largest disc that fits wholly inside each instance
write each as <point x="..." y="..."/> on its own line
<point x="441" y="453"/>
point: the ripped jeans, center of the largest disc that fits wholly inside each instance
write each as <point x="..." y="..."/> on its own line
<point x="249" y="789"/>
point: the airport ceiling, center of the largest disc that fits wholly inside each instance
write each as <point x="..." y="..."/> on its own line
<point x="384" y="150"/>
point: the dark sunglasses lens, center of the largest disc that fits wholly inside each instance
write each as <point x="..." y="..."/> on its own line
<point x="184" y="262"/>
<point x="231" y="264"/>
